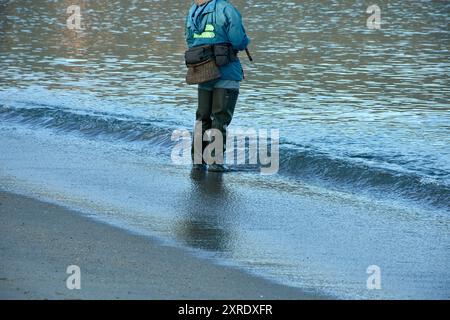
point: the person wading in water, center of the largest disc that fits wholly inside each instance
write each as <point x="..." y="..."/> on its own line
<point x="214" y="35"/>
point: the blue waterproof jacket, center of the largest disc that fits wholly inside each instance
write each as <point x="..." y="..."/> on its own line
<point x="217" y="21"/>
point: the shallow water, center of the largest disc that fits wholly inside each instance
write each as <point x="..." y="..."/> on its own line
<point x="363" y="112"/>
<point x="346" y="99"/>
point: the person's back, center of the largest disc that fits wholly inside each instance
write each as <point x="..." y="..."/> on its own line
<point x="209" y="23"/>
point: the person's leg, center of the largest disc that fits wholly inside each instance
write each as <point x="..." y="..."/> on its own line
<point x="203" y="117"/>
<point x="223" y="105"/>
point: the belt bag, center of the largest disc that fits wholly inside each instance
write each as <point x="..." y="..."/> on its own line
<point x="198" y="54"/>
<point x="203" y="62"/>
<point x="224" y="54"/>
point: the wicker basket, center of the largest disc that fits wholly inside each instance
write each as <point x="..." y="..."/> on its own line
<point x="202" y="72"/>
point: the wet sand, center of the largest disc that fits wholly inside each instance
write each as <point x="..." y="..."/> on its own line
<point x="38" y="241"/>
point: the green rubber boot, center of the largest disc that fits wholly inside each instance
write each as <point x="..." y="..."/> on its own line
<point x="203" y="117"/>
<point x="223" y="105"/>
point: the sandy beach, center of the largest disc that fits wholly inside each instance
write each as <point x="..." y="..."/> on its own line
<point x="39" y="240"/>
<point x="210" y="231"/>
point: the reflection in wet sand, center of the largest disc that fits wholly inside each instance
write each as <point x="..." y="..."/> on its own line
<point x="204" y="213"/>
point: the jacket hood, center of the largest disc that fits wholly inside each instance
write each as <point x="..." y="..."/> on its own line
<point x="197" y="12"/>
<point x="201" y="2"/>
